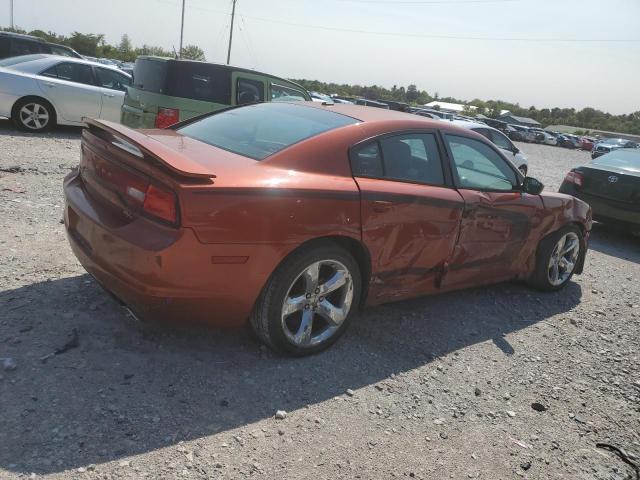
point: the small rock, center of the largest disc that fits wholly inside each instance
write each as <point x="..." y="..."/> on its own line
<point x="281" y="415"/>
<point x="444" y="435"/>
<point x="350" y="392"/>
<point x="511" y="413"/>
<point x="280" y="432"/>
<point x="9" y="364"/>
<point x="525" y="466"/>
<point x="82" y="470"/>
<point x="538" y="407"/>
<point x="477" y="392"/>
<point x="125" y="463"/>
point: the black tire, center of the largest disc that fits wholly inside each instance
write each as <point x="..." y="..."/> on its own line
<point x="46" y="115"/>
<point x="267" y="318"/>
<point x="541" y="277"/>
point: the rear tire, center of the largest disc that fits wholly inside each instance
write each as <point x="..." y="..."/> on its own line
<point x="557" y="257"/>
<point x="33" y="114"/>
<point x="297" y="315"/>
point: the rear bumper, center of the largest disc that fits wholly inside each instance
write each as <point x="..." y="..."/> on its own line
<point x="607" y="211"/>
<point x="162" y="273"/>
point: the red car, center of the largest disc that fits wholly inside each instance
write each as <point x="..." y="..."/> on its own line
<point x="586" y="143"/>
<point x="292" y="215"/>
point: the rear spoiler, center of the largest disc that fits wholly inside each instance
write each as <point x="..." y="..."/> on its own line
<point x="139" y="144"/>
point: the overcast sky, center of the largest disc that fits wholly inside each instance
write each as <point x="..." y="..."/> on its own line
<point x="487" y="49"/>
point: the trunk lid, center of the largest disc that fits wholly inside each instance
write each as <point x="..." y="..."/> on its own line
<point x="613" y="183"/>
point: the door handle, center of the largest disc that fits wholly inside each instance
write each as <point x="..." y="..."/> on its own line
<point x="381" y="206"/>
<point x="110" y="95"/>
<point x="50" y="85"/>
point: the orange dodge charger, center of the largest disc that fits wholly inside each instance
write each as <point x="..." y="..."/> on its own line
<point x="290" y="216"/>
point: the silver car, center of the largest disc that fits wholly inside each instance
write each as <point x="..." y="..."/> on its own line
<point x="40" y="91"/>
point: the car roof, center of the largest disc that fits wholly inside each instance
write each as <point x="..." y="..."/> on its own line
<point x="400" y="120"/>
<point x="22" y="36"/>
<point x="47" y="59"/>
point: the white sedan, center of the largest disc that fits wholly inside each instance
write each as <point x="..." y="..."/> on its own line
<point x="40" y="91"/>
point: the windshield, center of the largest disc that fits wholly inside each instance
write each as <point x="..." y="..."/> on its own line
<point x="257" y="131"/>
<point x="7" y="62"/>
<point x="625" y="159"/>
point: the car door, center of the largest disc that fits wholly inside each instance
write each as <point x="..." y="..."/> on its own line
<point x="71" y="88"/>
<point x="410" y="212"/>
<point x="497" y="217"/>
<point x="113" y="85"/>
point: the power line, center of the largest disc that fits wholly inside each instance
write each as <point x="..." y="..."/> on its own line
<point x="435" y="36"/>
<point x="428" y="2"/>
<point x="449" y="37"/>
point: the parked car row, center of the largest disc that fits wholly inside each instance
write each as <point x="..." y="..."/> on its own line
<point x="16" y="44"/>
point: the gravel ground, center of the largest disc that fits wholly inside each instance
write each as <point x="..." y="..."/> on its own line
<point x="440" y="387"/>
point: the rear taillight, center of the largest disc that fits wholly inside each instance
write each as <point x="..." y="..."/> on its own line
<point x="167" y="117"/>
<point x="140" y="194"/>
<point x="160" y="203"/>
<point x="574" y="177"/>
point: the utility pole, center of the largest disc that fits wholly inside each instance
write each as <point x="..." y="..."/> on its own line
<point x="11" y="13"/>
<point x="233" y="14"/>
<point x="181" y="30"/>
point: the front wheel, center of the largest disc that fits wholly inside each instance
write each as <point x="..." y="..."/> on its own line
<point x="309" y="300"/>
<point x="557" y="257"/>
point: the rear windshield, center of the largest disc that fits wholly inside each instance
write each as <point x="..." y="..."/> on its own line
<point x="194" y="80"/>
<point x="257" y="131"/>
<point x="626" y="159"/>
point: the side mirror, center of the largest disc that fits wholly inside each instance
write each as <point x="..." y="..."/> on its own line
<point x="515" y="150"/>
<point x="532" y="186"/>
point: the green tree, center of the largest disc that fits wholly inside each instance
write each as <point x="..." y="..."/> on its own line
<point x="412" y="93"/>
<point x="125" y="50"/>
<point x="85" y="43"/>
<point x="193" y="52"/>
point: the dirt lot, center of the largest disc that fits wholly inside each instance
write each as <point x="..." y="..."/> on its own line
<point x="434" y="388"/>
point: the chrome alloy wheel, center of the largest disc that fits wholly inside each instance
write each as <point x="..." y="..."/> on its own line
<point x="563" y="259"/>
<point x="34" y="116"/>
<point x="317" y="303"/>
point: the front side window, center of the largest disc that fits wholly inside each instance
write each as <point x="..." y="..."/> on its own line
<point x="112" y="80"/>
<point x="500" y="140"/>
<point x="257" y="131"/>
<point x="283" y="93"/>
<point x="58" y="50"/>
<point x="413" y="157"/>
<point x="71" y="72"/>
<point x="249" y="91"/>
<point x="478" y="166"/>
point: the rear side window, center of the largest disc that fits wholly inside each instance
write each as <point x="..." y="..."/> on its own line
<point x="198" y="81"/>
<point x="150" y="75"/>
<point x="249" y="91"/>
<point x="4" y="47"/>
<point x="25" y="47"/>
<point x="500" y="140"/>
<point x="412" y="157"/>
<point x="366" y="161"/>
<point x="257" y="131"/>
<point x="72" y="72"/>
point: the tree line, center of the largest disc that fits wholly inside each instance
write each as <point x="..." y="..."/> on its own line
<point x="94" y="45"/>
<point x="587" y="118"/>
